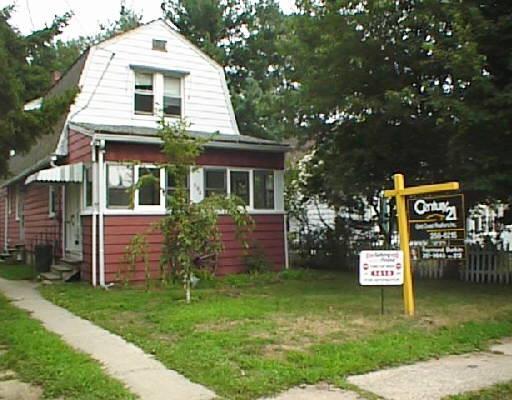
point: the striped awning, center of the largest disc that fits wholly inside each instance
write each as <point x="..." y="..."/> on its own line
<point x="71" y="173"/>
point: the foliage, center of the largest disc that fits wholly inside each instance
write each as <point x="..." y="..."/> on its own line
<point x="245" y="38"/>
<point x="137" y="251"/>
<point x="42" y="358"/>
<point x="191" y="236"/>
<point x="26" y="62"/>
<point x="255" y="260"/>
<point x="262" y="335"/>
<point x="387" y="86"/>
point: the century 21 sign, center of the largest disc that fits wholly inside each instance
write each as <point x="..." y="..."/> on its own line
<point x="437" y="225"/>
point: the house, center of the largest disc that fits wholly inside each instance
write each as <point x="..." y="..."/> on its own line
<point x="70" y="190"/>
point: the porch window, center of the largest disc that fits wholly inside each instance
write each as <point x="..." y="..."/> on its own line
<point x="172" y="97"/>
<point x="52" y="201"/>
<point x="239" y="184"/>
<point x="172" y="186"/>
<point x="215" y="182"/>
<point x="143" y="93"/>
<point x="263" y="190"/>
<point x="119" y="183"/>
<point x="149" y="193"/>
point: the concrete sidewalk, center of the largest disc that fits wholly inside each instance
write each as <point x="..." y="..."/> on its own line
<point x="140" y="372"/>
<point x="428" y="380"/>
<point x="435" y="379"/>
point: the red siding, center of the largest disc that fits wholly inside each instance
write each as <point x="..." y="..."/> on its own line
<point x="268" y="233"/>
<point x="213" y="157"/>
<point x="79" y="147"/>
<point x="39" y="227"/>
<point x="87" y="248"/>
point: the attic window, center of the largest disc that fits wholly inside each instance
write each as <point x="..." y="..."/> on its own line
<point x="160" y="45"/>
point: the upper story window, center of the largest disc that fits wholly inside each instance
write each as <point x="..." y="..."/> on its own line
<point x="172" y="96"/>
<point x="160" y="45"/>
<point x="144" y="96"/>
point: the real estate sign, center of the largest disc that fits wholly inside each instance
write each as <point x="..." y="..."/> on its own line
<point x="437" y="227"/>
<point x="381" y="268"/>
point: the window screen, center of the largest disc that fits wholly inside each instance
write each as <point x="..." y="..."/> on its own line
<point x="263" y="190"/>
<point x="119" y="181"/>
<point x="240" y="185"/>
<point x="172" y="96"/>
<point x="215" y="182"/>
<point x="143" y="93"/>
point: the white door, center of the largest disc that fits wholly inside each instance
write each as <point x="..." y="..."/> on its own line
<point x="72" y="221"/>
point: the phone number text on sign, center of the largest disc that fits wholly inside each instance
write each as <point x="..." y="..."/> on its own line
<point x="381" y="268"/>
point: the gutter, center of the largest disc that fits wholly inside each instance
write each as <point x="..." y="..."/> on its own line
<point x="45" y="162"/>
<point x="276" y="148"/>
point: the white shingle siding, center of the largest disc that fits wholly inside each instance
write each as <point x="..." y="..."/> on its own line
<point x="109" y="100"/>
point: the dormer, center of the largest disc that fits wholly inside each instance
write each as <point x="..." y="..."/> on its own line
<point x="150" y="72"/>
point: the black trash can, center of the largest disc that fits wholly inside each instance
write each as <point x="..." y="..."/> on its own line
<point x="43" y="256"/>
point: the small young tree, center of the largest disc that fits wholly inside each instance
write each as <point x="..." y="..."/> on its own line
<point x="191" y="236"/>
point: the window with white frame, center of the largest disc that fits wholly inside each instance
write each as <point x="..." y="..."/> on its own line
<point x="215" y="182"/>
<point x="239" y="185"/>
<point x="148" y="193"/>
<point x="144" y="96"/>
<point x="120" y="180"/>
<point x="18" y="203"/>
<point x="263" y="190"/>
<point x="172" y="183"/>
<point x="52" y="201"/>
<point x="172" y="97"/>
<point x="88" y="186"/>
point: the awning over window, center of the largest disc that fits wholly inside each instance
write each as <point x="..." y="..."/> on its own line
<point x="71" y="173"/>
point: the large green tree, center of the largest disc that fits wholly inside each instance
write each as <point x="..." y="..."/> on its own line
<point x="244" y="37"/>
<point x="26" y="65"/>
<point x="385" y="87"/>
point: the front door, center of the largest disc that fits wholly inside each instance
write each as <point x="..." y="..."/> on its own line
<point x="73" y="230"/>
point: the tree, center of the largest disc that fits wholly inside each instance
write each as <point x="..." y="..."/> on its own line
<point x="191" y="236"/>
<point x="25" y="62"/>
<point x="382" y="88"/>
<point x="244" y="37"/>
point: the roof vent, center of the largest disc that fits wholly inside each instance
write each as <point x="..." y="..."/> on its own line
<point x="160" y="45"/>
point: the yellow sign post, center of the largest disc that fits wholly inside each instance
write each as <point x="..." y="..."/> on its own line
<point x="400" y="193"/>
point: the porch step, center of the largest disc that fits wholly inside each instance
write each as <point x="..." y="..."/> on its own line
<point x="50" y="276"/>
<point x="60" y="268"/>
<point x="70" y="261"/>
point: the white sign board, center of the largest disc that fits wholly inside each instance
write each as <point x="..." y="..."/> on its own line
<point x="381" y="268"/>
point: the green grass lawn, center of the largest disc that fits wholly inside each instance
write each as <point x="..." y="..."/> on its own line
<point x="42" y="358"/>
<point x="497" y="392"/>
<point x="247" y="338"/>
<point x="17" y="272"/>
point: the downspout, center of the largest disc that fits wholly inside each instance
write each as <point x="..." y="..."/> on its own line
<point x="6" y="242"/>
<point x="101" y="206"/>
<point x="94" y="210"/>
<point x="286" y="253"/>
<point x="63" y="224"/>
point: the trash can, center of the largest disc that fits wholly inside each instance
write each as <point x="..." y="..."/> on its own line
<point x="43" y="256"/>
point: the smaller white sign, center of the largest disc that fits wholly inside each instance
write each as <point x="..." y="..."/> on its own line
<point x="381" y="268"/>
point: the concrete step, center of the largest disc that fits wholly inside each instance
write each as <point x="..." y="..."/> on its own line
<point x="60" y="268"/>
<point x="50" y="276"/>
<point x="70" y="261"/>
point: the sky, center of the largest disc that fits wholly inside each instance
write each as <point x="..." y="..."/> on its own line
<point x="34" y="14"/>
